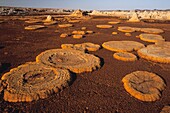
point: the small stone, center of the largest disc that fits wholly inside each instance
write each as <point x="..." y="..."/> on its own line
<point x="137" y="36"/>
<point x="77" y="36"/>
<point x="128" y="34"/>
<point x="114" y="33"/>
<point x="89" y="32"/>
<point x="83" y="28"/>
<point x="56" y="31"/>
<point x="5" y="53"/>
<point x="64" y="35"/>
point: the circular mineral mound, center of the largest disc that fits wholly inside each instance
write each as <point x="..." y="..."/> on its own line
<point x="74" y="60"/>
<point x="67" y="46"/>
<point x="1" y="86"/>
<point x="144" y="85"/>
<point x="125" y="56"/>
<point x="50" y="23"/>
<point x="33" y="21"/>
<point x="64" y="35"/>
<point x="71" y="46"/>
<point x="165" y="109"/>
<point x="152" y="30"/>
<point x="151" y="37"/>
<point x="126" y="29"/>
<point x="79" y="32"/>
<point x="88" y="46"/>
<point x="34" y="27"/>
<point x="77" y="36"/>
<point x="65" y="25"/>
<point x="74" y="21"/>
<point x="33" y="81"/>
<point x="91" y="47"/>
<point x="104" y="26"/>
<point x="157" y="53"/>
<point x="113" y="22"/>
<point x="122" y="46"/>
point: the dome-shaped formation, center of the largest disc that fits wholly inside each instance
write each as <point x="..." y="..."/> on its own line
<point x="49" y="19"/>
<point x="134" y="18"/>
<point x="78" y="13"/>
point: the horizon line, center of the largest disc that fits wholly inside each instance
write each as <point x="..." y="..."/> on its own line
<point x="83" y="8"/>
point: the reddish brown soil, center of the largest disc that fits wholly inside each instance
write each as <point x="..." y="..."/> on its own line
<point x="99" y="91"/>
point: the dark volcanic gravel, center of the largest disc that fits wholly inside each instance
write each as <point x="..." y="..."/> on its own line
<point x="99" y="91"/>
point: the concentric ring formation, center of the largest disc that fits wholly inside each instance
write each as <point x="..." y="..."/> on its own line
<point x="151" y="37"/>
<point x="152" y="30"/>
<point x="122" y="46"/>
<point x="158" y="52"/>
<point x="104" y="26"/>
<point x="124" y="56"/>
<point x="126" y="29"/>
<point x="32" y="81"/>
<point x="144" y="85"/>
<point x="74" y="60"/>
<point x="34" y="27"/>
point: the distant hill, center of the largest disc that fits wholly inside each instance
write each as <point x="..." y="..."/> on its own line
<point x="5" y="10"/>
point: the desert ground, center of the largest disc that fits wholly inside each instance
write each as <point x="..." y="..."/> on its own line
<point x="101" y="90"/>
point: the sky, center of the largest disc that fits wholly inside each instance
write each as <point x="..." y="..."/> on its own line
<point x="90" y="4"/>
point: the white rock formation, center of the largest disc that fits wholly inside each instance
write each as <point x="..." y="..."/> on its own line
<point x="134" y="18"/>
